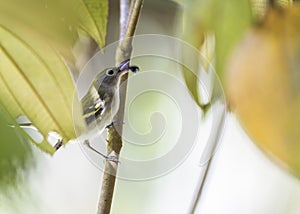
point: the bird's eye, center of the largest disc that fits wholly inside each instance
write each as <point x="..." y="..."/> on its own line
<point x="110" y="72"/>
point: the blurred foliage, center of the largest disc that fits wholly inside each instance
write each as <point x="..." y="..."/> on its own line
<point x="57" y="21"/>
<point x="15" y="153"/>
<point x="54" y="20"/>
<point x="262" y="82"/>
<point x="227" y="20"/>
<point x="260" y="7"/>
<point x="93" y="19"/>
<point x="262" y="76"/>
<point x="34" y="78"/>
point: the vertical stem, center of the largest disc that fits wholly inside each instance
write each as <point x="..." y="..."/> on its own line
<point x="124" y="10"/>
<point x="125" y="48"/>
<point x="208" y="154"/>
<point x="115" y="135"/>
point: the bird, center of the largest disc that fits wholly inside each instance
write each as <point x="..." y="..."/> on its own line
<point x="101" y="102"/>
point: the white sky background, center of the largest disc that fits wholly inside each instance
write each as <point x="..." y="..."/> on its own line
<point x="241" y="180"/>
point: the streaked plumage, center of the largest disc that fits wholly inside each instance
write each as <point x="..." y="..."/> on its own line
<point x="101" y="102"/>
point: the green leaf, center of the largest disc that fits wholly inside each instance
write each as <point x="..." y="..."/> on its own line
<point x="192" y="58"/>
<point x="93" y="19"/>
<point x="229" y="28"/>
<point x="35" y="82"/>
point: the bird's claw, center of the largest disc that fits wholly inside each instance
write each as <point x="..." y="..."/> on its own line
<point x="113" y="159"/>
<point x="116" y="123"/>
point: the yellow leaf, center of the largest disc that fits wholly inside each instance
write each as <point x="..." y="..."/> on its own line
<point x="36" y="82"/>
<point x="263" y="85"/>
<point x="55" y="20"/>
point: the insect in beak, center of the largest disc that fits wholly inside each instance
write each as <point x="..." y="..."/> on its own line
<point x="124" y="66"/>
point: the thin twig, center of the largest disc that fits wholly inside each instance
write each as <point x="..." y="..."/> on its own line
<point x="124" y="10"/>
<point x="114" y="135"/>
<point x="207" y="157"/>
<point x="125" y="48"/>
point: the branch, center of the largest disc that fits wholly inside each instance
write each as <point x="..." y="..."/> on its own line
<point x="125" y="48"/>
<point x="115" y="137"/>
<point x="123" y="18"/>
<point x="207" y="157"/>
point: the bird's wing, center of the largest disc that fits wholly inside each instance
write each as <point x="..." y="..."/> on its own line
<point x="93" y="106"/>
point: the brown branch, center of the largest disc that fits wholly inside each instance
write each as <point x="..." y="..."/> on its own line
<point x="114" y="135"/>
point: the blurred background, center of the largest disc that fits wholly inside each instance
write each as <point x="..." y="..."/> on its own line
<point x="241" y="179"/>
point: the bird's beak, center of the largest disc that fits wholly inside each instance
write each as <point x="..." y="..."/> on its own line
<point x="124" y="66"/>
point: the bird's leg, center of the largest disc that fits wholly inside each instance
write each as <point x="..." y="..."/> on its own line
<point x="114" y="123"/>
<point x="109" y="125"/>
<point x="110" y="158"/>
